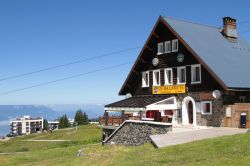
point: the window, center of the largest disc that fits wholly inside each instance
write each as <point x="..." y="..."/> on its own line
<point x="168" y="74"/>
<point x="145" y="79"/>
<point x="156" y="78"/>
<point x="181" y="75"/>
<point x="160" y="48"/>
<point x="175" y="45"/>
<point x="196" y="74"/>
<point x="206" y="107"/>
<point x="242" y="99"/>
<point x="167" y="46"/>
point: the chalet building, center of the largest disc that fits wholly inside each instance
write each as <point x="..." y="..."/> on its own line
<point x="188" y="74"/>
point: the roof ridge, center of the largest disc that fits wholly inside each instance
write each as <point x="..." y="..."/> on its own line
<point x="178" y="19"/>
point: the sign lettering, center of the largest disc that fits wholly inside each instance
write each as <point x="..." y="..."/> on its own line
<point x="169" y="89"/>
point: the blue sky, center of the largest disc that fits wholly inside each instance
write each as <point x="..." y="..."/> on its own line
<point x="40" y="34"/>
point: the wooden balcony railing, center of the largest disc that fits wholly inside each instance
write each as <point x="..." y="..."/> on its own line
<point x="116" y="120"/>
<point x="111" y="120"/>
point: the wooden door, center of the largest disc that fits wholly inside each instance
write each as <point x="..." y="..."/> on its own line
<point x="190" y="112"/>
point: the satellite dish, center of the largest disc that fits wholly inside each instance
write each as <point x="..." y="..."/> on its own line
<point x="216" y="94"/>
<point x="155" y="61"/>
<point x="128" y="95"/>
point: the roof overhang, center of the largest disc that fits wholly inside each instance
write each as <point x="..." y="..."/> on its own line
<point x="127" y="109"/>
<point x="165" y="104"/>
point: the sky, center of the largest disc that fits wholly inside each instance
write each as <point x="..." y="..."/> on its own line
<point x="46" y="33"/>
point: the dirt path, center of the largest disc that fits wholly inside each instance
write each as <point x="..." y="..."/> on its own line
<point x="45" y="140"/>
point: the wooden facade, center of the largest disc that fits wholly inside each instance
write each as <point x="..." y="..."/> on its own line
<point x="144" y="63"/>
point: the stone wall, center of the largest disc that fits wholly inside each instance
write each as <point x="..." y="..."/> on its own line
<point x="134" y="133"/>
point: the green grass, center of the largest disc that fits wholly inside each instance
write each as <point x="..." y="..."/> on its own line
<point x="228" y="150"/>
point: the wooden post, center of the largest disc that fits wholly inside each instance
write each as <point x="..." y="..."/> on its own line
<point x="106" y="118"/>
<point x="140" y="115"/>
<point x="123" y="116"/>
<point x="103" y="136"/>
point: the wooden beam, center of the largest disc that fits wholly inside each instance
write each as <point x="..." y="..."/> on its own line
<point x="143" y="61"/>
<point x="150" y="49"/>
<point x="136" y="72"/>
<point x="123" y="116"/>
<point x="106" y="118"/>
<point x="140" y="115"/>
<point x="156" y="35"/>
<point x="129" y="86"/>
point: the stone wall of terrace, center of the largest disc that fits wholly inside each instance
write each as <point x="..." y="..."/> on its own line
<point x="136" y="132"/>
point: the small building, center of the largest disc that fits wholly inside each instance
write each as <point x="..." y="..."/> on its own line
<point x="187" y="74"/>
<point x="53" y="125"/>
<point x="26" y="125"/>
<point x="71" y="121"/>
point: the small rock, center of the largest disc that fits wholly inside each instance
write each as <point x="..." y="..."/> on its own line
<point x="79" y="153"/>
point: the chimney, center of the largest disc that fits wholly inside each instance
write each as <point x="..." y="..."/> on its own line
<point x="229" y="27"/>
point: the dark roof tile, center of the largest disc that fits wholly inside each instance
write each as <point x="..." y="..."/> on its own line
<point x="137" y="101"/>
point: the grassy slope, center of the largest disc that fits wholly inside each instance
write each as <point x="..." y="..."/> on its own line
<point x="229" y="150"/>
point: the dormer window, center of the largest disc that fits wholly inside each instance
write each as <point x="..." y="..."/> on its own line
<point x="145" y="79"/>
<point x="160" y="48"/>
<point x="181" y="75"/>
<point x="196" y="74"/>
<point x="175" y="45"/>
<point x="167" y="46"/>
<point x="156" y="78"/>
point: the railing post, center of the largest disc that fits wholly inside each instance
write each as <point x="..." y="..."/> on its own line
<point x="140" y="115"/>
<point x="123" y="116"/>
<point x="106" y="118"/>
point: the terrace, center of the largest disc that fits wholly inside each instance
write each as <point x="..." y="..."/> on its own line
<point x="154" y="109"/>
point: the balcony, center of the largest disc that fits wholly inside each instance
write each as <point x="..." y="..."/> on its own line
<point x="115" y="120"/>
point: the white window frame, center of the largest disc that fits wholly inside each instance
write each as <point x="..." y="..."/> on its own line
<point x="146" y="82"/>
<point x="161" y="44"/>
<point x="166" y="76"/>
<point x="154" y="79"/>
<point x="166" y="43"/>
<point x="202" y="108"/>
<point x="177" y="45"/>
<point x="193" y="73"/>
<point x="242" y="99"/>
<point x="178" y="74"/>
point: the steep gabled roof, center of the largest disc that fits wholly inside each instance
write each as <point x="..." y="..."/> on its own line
<point x="227" y="61"/>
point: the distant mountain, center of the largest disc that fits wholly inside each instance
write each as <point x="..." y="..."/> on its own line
<point x="8" y="112"/>
<point x="92" y="110"/>
<point x="12" y="111"/>
<point x="49" y="112"/>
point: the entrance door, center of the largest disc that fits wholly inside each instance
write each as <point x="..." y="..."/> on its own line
<point x="190" y="112"/>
